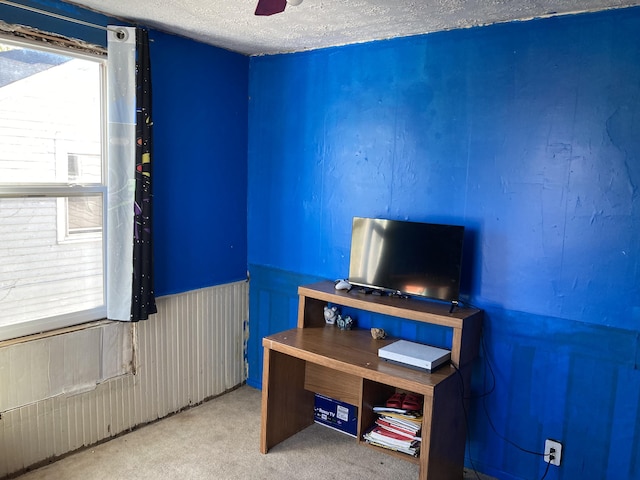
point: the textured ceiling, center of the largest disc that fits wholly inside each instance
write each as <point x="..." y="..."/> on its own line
<point x="231" y="24"/>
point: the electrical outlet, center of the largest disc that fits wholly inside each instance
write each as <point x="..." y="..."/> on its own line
<point x="552" y="452"/>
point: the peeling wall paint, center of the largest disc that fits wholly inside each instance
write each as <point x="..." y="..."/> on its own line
<point x="190" y="351"/>
<point x="64" y="393"/>
<point x="63" y="364"/>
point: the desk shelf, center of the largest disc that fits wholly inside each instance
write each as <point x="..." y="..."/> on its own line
<point x="316" y="358"/>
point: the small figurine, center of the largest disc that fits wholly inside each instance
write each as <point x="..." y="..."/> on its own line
<point x="378" y="333"/>
<point x="344" y="323"/>
<point x="331" y="314"/>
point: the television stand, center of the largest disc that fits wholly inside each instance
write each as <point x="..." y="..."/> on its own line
<point x="344" y="365"/>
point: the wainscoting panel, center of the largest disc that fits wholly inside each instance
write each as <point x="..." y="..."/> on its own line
<point x="193" y="349"/>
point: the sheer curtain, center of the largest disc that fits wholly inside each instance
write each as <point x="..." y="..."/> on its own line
<point x="130" y="294"/>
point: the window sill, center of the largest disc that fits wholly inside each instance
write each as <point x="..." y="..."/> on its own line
<point x="53" y="333"/>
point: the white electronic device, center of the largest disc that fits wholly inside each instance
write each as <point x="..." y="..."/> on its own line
<point x="415" y="354"/>
<point x="342" y="285"/>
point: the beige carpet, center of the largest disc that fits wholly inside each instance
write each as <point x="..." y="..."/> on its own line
<point x="220" y="440"/>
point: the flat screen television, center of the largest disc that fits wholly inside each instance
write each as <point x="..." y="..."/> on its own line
<point x="411" y="258"/>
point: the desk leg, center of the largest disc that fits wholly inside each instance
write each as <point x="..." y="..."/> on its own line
<point x="287" y="407"/>
<point x="443" y="433"/>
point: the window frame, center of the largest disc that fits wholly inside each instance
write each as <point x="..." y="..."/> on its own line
<point x="66" y="189"/>
<point x="64" y="233"/>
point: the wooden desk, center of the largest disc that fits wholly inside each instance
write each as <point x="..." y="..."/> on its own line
<point x="344" y="365"/>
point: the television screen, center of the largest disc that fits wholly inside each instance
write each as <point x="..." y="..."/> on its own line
<point x="410" y="258"/>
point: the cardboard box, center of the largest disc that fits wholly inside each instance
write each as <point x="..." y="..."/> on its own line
<point x="340" y="416"/>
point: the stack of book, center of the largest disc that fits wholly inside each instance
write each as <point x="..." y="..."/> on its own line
<point x="396" y="429"/>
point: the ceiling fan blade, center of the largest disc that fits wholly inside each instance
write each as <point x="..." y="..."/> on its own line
<point x="269" y="7"/>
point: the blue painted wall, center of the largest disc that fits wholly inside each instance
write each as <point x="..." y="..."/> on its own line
<point x="528" y="134"/>
<point x="200" y="191"/>
<point x="200" y="150"/>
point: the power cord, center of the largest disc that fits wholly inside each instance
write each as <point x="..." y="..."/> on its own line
<point x="483" y="396"/>
<point x="551" y="457"/>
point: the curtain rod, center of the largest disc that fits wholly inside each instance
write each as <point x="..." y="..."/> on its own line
<point x="55" y="15"/>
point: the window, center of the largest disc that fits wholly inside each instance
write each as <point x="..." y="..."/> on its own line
<point x="52" y="188"/>
<point x="80" y="218"/>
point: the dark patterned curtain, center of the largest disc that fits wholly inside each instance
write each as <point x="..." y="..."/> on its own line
<point x="143" y="302"/>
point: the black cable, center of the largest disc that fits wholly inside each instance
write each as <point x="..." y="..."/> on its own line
<point x="484" y="395"/>
<point x="486" y="411"/>
<point x="546" y="470"/>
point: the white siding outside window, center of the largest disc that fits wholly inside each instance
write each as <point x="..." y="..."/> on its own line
<point x="52" y="189"/>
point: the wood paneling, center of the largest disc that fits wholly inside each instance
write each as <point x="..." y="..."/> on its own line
<point x="191" y="350"/>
